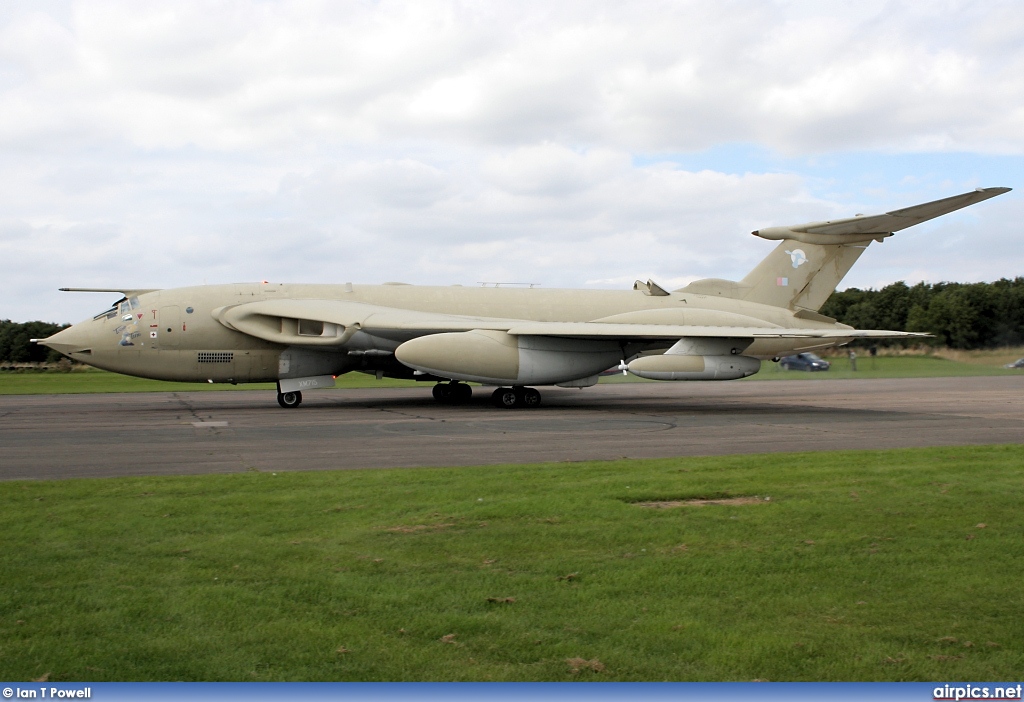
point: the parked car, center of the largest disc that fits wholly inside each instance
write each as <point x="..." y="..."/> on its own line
<point x="1019" y="363"/>
<point x="804" y="362"/>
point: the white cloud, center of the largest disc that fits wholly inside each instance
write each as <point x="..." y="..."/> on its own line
<point x="551" y="169"/>
<point x="241" y="75"/>
<point x="444" y="141"/>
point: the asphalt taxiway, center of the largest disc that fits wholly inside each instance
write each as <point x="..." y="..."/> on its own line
<point x="67" y="436"/>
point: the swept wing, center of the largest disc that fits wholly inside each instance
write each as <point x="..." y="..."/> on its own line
<point x="278" y="321"/>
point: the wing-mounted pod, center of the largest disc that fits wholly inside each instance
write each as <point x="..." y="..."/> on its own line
<point x="499" y="358"/>
<point x="696" y="358"/>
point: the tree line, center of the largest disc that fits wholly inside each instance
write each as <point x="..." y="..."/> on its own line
<point x="15" y="346"/>
<point x="959" y="315"/>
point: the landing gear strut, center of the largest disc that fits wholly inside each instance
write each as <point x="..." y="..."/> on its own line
<point x="517" y="396"/>
<point x="289" y="399"/>
<point x="452" y="393"/>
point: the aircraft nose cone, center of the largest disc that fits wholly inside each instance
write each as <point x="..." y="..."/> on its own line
<point x="74" y="339"/>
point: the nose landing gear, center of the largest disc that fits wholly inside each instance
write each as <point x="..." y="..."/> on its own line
<point x="289" y="400"/>
<point x="452" y="393"/>
<point x="510" y="398"/>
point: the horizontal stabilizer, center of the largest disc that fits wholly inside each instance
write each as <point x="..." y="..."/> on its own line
<point x="127" y="292"/>
<point x="862" y="229"/>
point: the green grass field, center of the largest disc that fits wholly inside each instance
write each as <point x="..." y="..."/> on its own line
<point x="93" y="380"/>
<point x="885" y="367"/>
<point x="895" y="565"/>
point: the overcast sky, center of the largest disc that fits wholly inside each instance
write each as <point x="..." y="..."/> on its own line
<point x="570" y="144"/>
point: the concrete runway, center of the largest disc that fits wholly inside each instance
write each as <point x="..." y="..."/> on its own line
<point x="67" y="436"/>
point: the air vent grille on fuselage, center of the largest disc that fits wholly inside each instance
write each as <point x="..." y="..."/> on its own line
<point x="216" y="356"/>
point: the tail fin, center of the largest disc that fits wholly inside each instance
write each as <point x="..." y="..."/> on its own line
<point x="800" y="276"/>
<point x="813" y="258"/>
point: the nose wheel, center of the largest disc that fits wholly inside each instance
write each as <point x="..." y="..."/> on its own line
<point x="511" y="398"/>
<point x="452" y="393"/>
<point x="289" y="399"/>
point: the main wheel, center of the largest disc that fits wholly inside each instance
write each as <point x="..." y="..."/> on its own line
<point x="531" y="397"/>
<point x="461" y="393"/>
<point x="443" y="393"/>
<point x="289" y="399"/>
<point x="506" y="398"/>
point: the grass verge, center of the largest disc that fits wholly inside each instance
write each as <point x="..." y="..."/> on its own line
<point x="868" y="565"/>
<point x="94" y="380"/>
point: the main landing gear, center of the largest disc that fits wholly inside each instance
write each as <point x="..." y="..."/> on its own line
<point x="452" y="393"/>
<point x="289" y="399"/>
<point x="514" y="397"/>
<point x="455" y="393"/>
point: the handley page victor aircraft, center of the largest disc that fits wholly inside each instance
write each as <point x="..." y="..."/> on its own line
<point x="303" y="336"/>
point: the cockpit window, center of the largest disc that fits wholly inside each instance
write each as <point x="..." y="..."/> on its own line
<point x="123" y="304"/>
<point x="127" y="305"/>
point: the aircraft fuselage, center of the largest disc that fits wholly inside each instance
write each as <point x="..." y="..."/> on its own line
<point x="176" y="334"/>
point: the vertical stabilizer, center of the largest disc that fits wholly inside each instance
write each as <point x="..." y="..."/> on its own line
<point x="813" y="258"/>
<point x="800" y="276"/>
